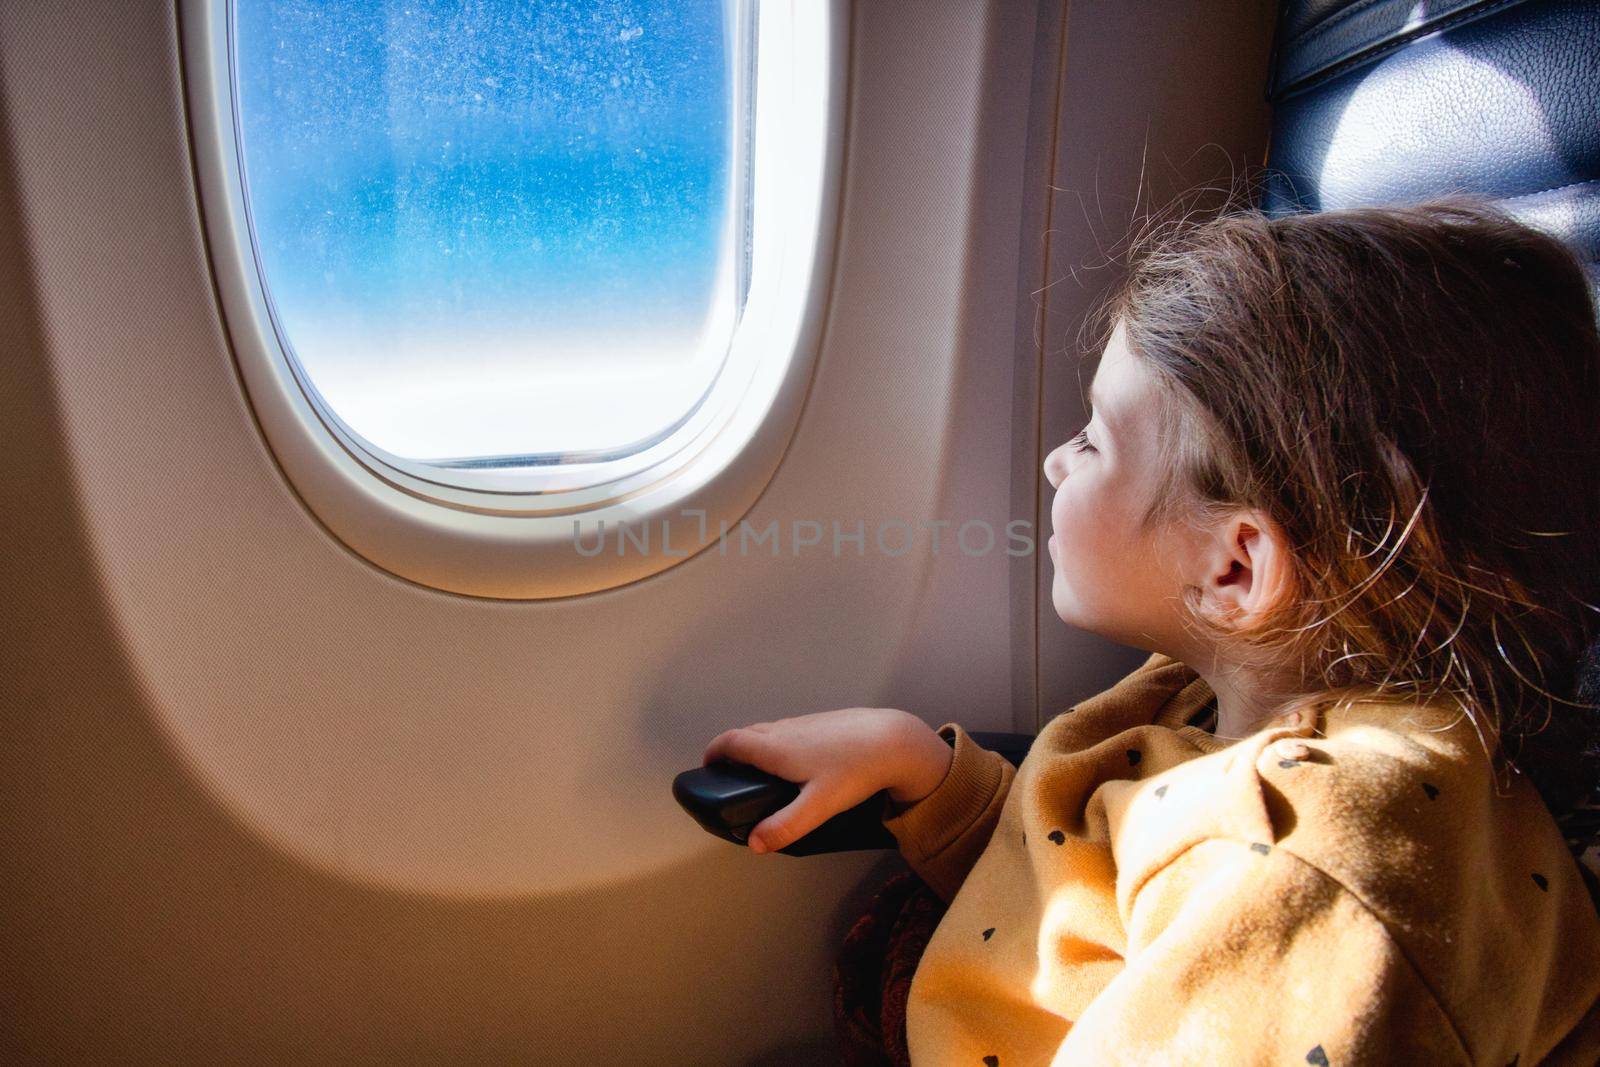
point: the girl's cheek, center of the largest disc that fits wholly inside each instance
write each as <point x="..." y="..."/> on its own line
<point x="1093" y="530"/>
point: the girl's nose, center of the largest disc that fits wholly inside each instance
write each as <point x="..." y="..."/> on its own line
<point x="1054" y="470"/>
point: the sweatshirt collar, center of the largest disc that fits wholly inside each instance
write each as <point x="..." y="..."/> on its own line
<point x="1181" y="707"/>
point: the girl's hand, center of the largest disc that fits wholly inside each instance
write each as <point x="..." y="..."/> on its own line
<point x="839" y="758"/>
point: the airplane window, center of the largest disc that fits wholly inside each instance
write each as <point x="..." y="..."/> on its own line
<point x="499" y="236"/>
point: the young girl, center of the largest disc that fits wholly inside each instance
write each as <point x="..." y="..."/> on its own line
<point x="1342" y="479"/>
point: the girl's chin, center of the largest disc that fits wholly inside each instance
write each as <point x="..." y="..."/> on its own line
<point x="1067" y="610"/>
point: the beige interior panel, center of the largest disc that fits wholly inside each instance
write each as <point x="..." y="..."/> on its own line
<point x="264" y="802"/>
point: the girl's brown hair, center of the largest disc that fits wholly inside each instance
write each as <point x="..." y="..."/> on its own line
<point x="1413" y="393"/>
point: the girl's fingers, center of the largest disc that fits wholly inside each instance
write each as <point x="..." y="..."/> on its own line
<point x="721" y="746"/>
<point x="790" y="823"/>
<point x="739" y="746"/>
<point x="716" y="749"/>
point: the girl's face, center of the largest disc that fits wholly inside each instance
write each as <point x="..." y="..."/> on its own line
<point x="1111" y="577"/>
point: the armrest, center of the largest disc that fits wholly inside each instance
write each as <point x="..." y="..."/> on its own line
<point x="728" y="799"/>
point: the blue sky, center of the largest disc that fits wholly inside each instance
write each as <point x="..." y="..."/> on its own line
<point x="453" y="169"/>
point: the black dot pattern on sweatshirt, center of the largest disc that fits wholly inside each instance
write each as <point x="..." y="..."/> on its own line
<point x="1134" y="756"/>
<point x="991" y="1061"/>
<point x="1263" y="849"/>
<point x="1317" y="1056"/>
<point x="987" y="934"/>
<point x="1058" y="837"/>
<point x="1161" y="791"/>
<point x="1288" y="764"/>
<point x="1542" y="882"/>
<point x="1430" y="789"/>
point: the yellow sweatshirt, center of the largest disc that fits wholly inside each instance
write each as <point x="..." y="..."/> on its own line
<point x="1141" y="891"/>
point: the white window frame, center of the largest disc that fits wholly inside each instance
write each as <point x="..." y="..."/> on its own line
<point x="483" y="533"/>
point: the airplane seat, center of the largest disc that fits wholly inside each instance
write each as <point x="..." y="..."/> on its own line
<point x="1372" y="101"/>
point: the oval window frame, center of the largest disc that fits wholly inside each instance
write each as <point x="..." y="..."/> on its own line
<point x="497" y="542"/>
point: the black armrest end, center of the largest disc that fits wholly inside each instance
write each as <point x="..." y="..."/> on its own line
<point x="728" y="799"/>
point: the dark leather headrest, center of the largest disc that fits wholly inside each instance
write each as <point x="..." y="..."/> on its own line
<point x="1380" y="101"/>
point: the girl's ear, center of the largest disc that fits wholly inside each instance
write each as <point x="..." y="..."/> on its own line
<point x="1249" y="570"/>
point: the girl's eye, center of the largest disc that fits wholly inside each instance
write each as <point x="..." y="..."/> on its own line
<point x="1081" y="443"/>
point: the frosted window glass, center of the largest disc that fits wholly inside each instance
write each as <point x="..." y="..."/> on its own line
<point x="496" y="233"/>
